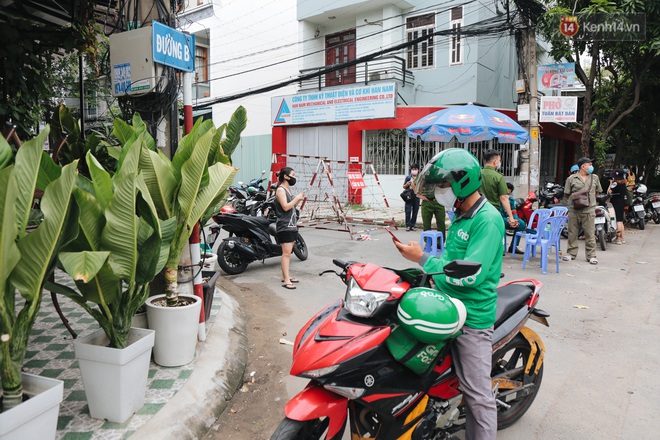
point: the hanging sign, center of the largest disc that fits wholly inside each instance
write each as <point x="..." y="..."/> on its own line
<point x="355" y="180"/>
<point x="556" y="76"/>
<point x="173" y="48"/>
<point x="558" y="109"/>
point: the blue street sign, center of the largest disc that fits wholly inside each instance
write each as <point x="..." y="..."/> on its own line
<point x="173" y="48"/>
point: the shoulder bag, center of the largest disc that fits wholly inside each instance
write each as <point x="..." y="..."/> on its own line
<point x="408" y="194"/>
<point x="581" y="198"/>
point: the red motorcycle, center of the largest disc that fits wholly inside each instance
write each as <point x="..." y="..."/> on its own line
<point x="526" y="207"/>
<point x="354" y="375"/>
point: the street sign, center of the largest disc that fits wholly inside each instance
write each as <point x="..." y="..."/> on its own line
<point x="173" y="48"/>
<point x="355" y="180"/>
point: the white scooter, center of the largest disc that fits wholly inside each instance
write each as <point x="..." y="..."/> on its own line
<point x="605" y="221"/>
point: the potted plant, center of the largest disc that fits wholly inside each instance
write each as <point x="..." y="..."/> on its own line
<point x="26" y="260"/>
<point x="185" y="188"/>
<point x="121" y="247"/>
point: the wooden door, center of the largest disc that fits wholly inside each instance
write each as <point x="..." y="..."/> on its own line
<point x="340" y="48"/>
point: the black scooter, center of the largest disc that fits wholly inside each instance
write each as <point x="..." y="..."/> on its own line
<point x="251" y="239"/>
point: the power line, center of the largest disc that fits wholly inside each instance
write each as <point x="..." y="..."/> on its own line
<point x="484" y="27"/>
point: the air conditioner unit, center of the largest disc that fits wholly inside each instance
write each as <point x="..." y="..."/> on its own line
<point x="131" y="58"/>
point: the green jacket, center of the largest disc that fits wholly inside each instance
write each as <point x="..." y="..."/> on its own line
<point x="476" y="236"/>
<point x="493" y="185"/>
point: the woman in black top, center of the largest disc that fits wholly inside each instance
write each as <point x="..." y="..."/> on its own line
<point x="618" y="190"/>
<point x="287" y="220"/>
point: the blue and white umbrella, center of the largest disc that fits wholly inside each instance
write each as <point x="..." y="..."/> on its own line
<point x="468" y="123"/>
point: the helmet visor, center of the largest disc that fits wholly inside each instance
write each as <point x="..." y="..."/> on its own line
<point x="431" y="176"/>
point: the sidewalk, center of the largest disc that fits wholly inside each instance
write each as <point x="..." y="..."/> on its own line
<point x="180" y="402"/>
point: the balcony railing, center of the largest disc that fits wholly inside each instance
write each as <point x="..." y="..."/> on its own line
<point x="380" y="69"/>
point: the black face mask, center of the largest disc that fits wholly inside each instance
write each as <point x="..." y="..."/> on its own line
<point x="292" y="180"/>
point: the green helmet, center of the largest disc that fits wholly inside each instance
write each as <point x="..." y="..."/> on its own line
<point x="455" y="166"/>
<point x="429" y="315"/>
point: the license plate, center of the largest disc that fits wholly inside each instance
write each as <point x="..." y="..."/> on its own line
<point x="600" y="220"/>
<point x="656" y="204"/>
<point x="638" y="208"/>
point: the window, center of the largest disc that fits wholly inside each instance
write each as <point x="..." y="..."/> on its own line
<point x="420" y="55"/>
<point x="201" y="64"/>
<point x="456" y="42"/>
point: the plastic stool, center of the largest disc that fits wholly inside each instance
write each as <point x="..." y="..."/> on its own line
<point x="432" y="242"/>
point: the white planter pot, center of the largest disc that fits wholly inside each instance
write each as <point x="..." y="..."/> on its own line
<point x="115" y="380"/>
<point x="176" y="331"/>
<point x="37" y="416"/>
<point x="140" y="320"/>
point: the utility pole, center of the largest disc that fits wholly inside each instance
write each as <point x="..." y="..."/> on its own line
<point x="530" y="158"/>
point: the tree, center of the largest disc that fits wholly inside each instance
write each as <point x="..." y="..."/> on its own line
<point x="628" y="63"/>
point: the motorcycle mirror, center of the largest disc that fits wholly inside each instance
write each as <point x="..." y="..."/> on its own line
<point x="461" y="268"/>
<point x="263" y="171"/>
<point x="240" y="183"/>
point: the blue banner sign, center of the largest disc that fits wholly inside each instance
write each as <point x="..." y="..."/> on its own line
<point x="173" y="48"/>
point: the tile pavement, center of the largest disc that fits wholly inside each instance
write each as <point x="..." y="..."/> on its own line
<point x="50" y="353"/>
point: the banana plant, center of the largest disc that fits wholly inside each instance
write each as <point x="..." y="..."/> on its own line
<point x="121" y="247"/>
<point x="27" y="259"/>
<point x="185" y="187"/>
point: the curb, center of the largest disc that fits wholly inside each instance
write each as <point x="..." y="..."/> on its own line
<point x="220" y="364"/>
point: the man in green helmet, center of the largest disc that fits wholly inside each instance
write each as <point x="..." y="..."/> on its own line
<point x="475" y="234"/>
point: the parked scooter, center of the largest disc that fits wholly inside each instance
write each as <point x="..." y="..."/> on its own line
<point x="392" y="386"/>
<point x="243" y="196"/>
<point x="550" y="195"/>
<point x="605" y="221"/>
<point x="652" y="207"/>
<point x="251" y="238"/>
<point x="636" y="214"/>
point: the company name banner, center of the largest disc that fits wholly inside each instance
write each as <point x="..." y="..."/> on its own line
<point x="374" y="101"/>
<point x="558" y="109"/>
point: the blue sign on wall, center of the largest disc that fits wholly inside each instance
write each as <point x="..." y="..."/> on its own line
<point x="173" y="48"/>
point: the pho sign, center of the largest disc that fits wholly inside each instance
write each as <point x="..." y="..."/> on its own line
<point x="173" y="48"/>
<point x="558" y="109"/>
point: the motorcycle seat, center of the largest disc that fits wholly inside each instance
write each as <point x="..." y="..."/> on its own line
<point x="509" y="299"/>
<point x="261" y="221"/>
<point x="272" y="229"/>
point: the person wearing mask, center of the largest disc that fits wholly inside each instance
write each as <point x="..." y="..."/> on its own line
<point x="431" y="208"/>
<point x="475" y="234"/>
<point x="287" y="221"/>
<point x="583" y="179"/>
<point x="618" y="190"/>
<point x="412" y="205"/>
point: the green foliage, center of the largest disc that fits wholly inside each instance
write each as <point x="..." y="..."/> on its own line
<point x="27" y="50"/>
<point x="27" y="259"/>
<point x="66" y="132"/>
<point x="121" y="246"/>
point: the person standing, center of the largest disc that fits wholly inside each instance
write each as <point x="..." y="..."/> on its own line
<point x="431" y="208"/>
<point x="583" y="179"/>
<point x="287" y="221"/>
<point x="631" y="178"/>
<point x="475" y="234"/>
<point x="618" y="190"/>
<point x="412" y="205"/>
<point x="493" y="186"/>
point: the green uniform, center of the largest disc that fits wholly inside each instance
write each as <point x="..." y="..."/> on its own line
<point x="493" y="185"/>
<point x="430" y="208"/>
<point x="476" y="236"/>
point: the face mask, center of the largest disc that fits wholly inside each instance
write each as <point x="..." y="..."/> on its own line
<point x="625" y="170"/>
<point x="292" y="181"/>
<point x="590" y="169"/>
<point x="445" y="196"/>
<point x="414" y="172"/>
<point x="498" y="166"/>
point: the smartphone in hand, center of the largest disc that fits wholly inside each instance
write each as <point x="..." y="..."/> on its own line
<point x="392" y="234"/>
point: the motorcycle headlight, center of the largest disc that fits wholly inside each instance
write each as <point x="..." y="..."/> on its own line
<point x="315" y="374"/>
<point x="363" y="303"/>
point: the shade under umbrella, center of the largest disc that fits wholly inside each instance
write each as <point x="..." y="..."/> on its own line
<point x="468" y="123"/>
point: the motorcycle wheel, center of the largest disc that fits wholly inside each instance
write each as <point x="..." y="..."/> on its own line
<point x="656" y="217"/>
<point x="641" y="224"/>
<point x="510" y="361"/>
<point x="601" y="240"/>
<point x="230" y="260"/>
<point x="300" y="248"/>
<point x="296" y="430"/>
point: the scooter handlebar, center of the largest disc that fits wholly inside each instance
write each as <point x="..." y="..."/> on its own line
<point x="339" y="263"/>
